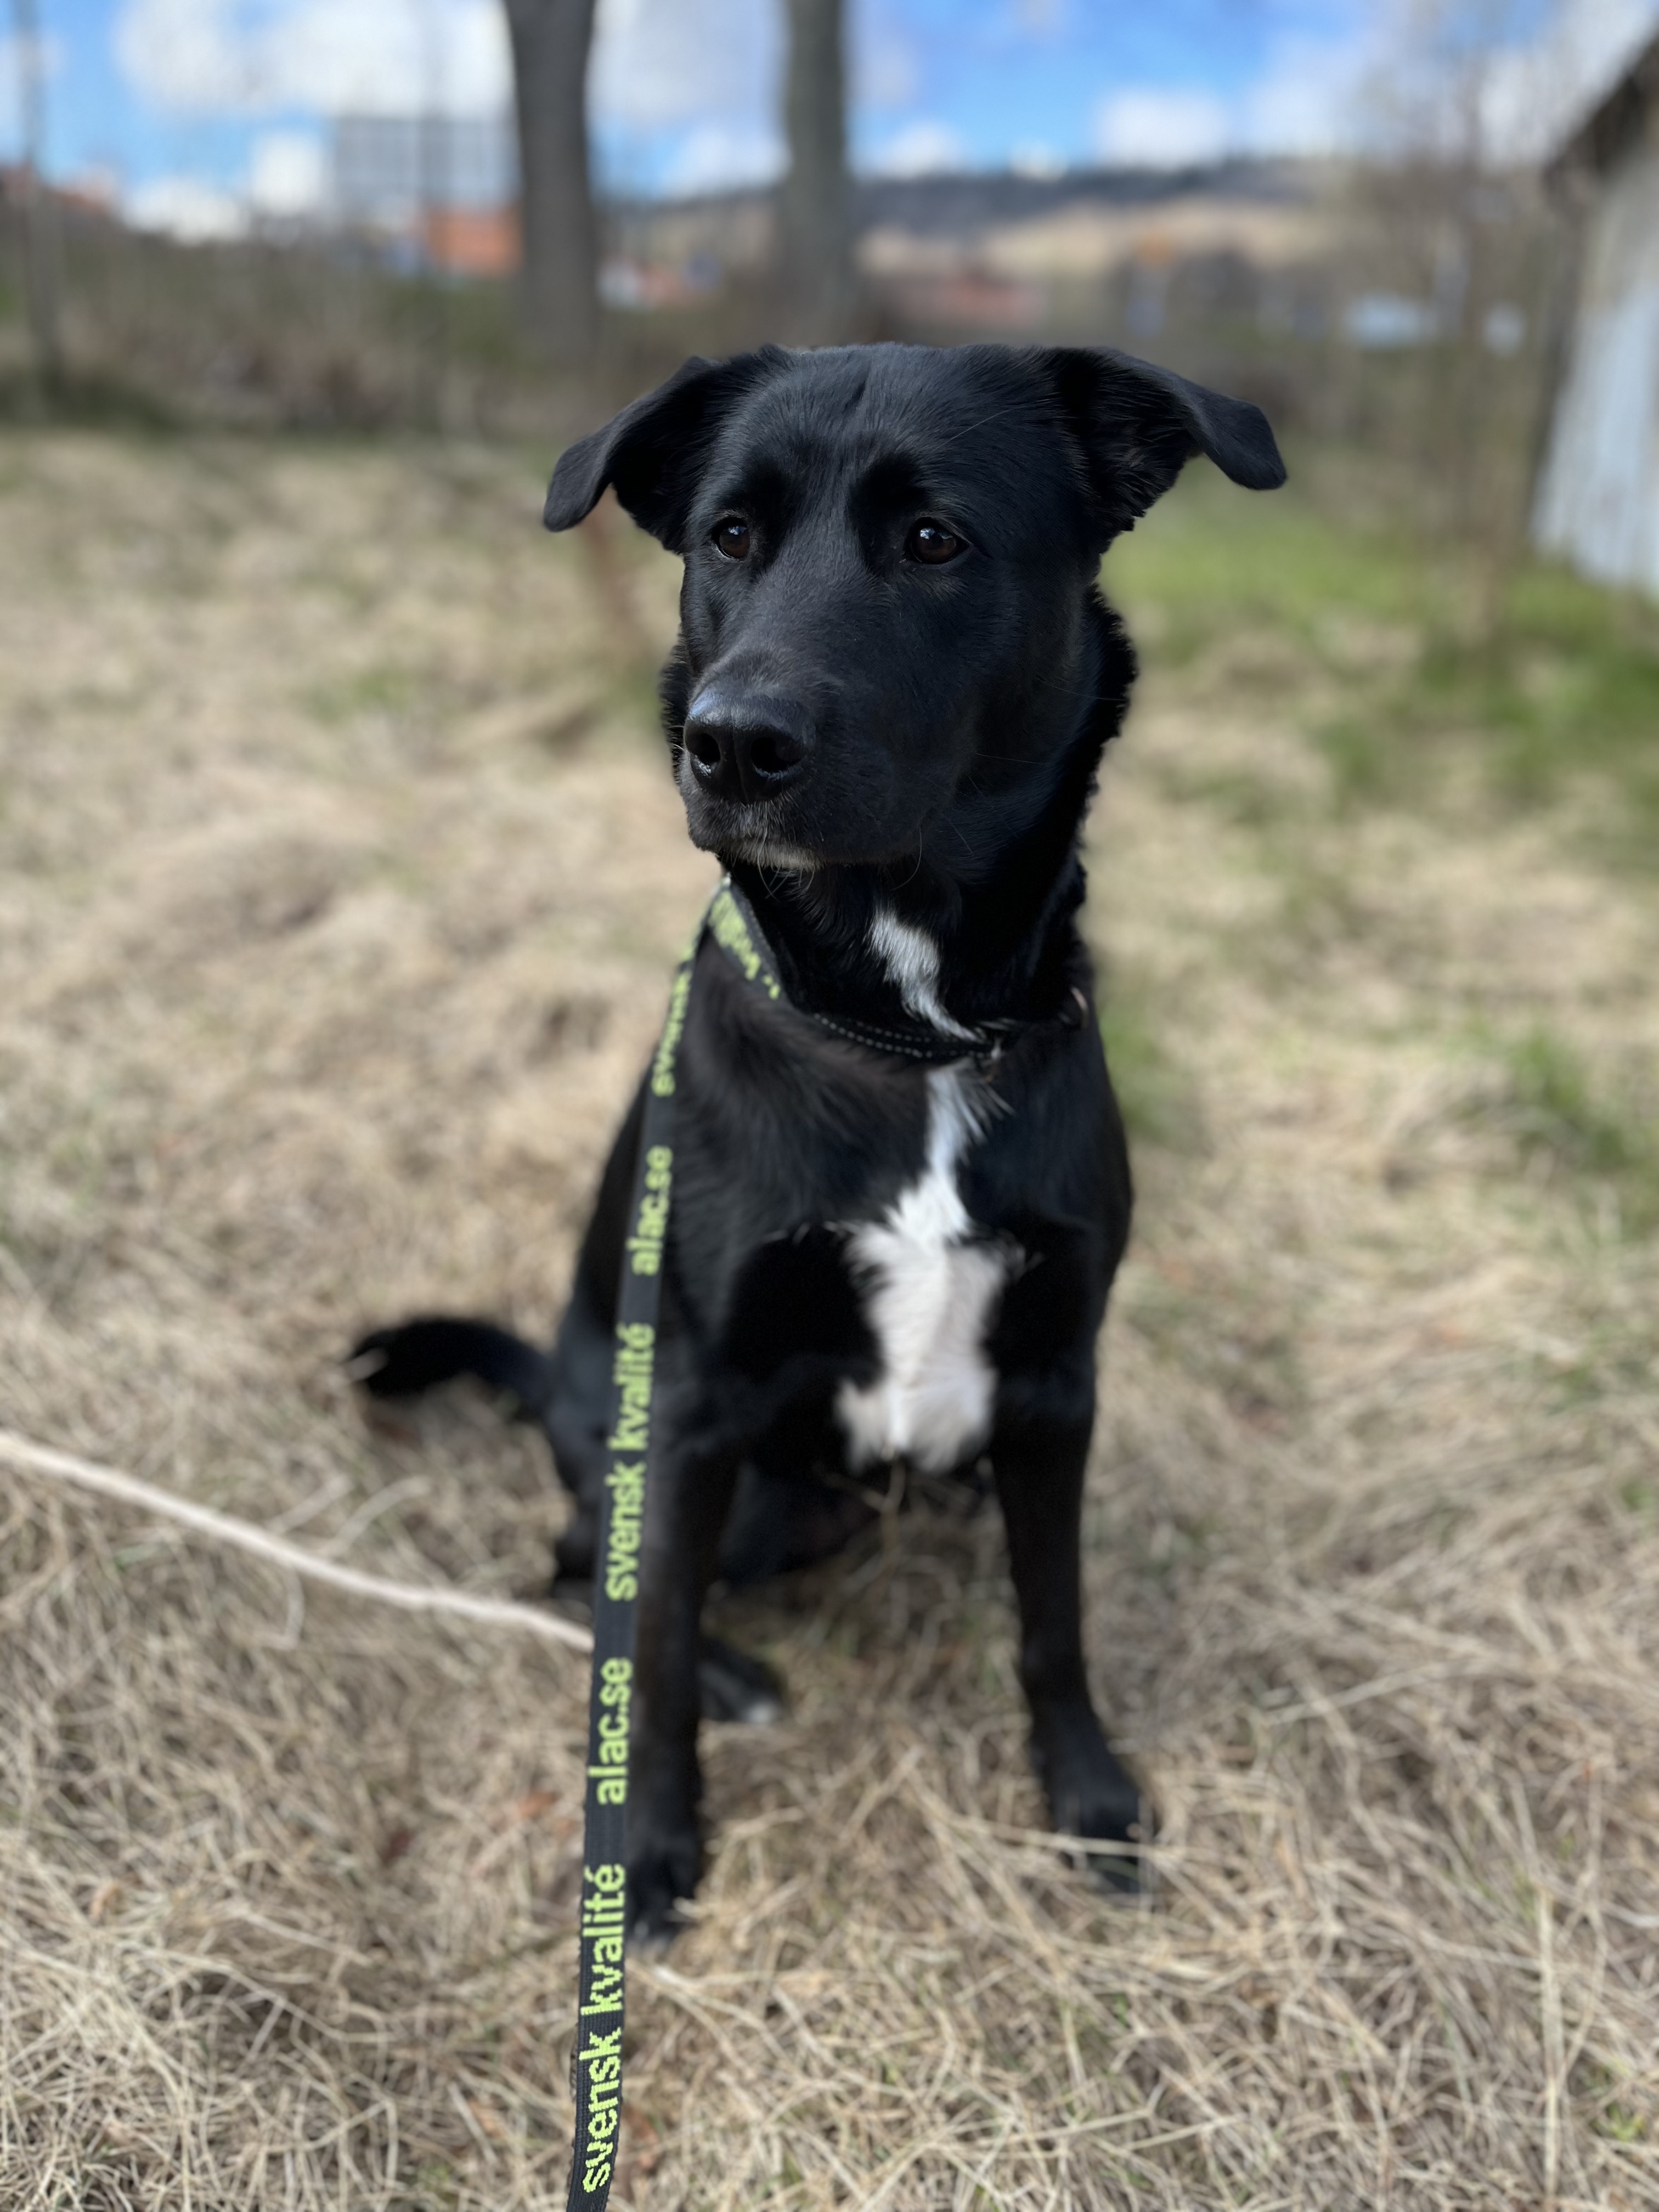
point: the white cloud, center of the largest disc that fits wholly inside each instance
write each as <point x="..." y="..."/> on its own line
<point x="183" y="54"/>
<point x="658" y="62"/>
<point x="921" y="149"/>
<point x="186" y="207"/>
<point x="717" y="156"/>
<point x="1303" y="101"/>
<point x="1502" y="97"/>
<point x="884" y="69"/>
<point x="1033" y="158"/>
<point x="1156" y="127"/>
<point x="1533" y="96"/>
<point x="288" y="175"/>
<point x="250" y="57"/>
<point x="1385" y="86"/>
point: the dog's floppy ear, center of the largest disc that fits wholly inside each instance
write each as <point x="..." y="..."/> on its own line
<point x="654" y="451"/>
<point x="1137" y="425"/>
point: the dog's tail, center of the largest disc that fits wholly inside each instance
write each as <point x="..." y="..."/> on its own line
<point x="434" y="1348"/>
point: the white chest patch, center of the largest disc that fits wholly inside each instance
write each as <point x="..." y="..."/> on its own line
<point x="911" y="958"/>
<point x="930" y="1289"/>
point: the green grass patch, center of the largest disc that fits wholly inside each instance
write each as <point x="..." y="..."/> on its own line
<point x="87" y="399"/>
<point x="1212" y="559"/>
<point x="1558" y="1111"/>
<point x="1561" y="1116"/>
<point x="1566" y="681"/>
<point x="383" y="690"/>
<point x="1158" y="1101"/>
<point x="1542" y="681"/>
<point x="1221" y="1333"/>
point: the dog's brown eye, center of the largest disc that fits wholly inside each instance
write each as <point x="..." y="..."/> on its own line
<point x="933" y="542"/>
<point x="731" y="537"/>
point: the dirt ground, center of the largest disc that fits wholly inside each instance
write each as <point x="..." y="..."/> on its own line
<point x="340" y="877"/>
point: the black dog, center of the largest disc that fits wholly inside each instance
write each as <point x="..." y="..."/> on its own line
<point x="902" y="1191"/>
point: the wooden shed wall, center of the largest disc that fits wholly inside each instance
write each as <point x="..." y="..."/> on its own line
<point x="1598" y="496"/>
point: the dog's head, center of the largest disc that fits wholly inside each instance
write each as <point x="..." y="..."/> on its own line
<point x="890" y="557"/>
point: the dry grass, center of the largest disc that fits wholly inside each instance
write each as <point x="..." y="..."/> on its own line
<point x="338" y="883"/>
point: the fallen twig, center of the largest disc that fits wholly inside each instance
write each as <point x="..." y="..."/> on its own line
<point x="224" y="1528"/>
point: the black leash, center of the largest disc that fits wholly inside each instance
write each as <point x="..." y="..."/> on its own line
<point x="596" y="2058"/>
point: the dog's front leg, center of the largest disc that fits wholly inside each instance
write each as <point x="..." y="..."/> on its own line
<point x="1039" y="1464"/>
<point x="690" y="1496"/>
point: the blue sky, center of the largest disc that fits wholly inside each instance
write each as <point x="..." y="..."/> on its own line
<point x="227" y="97"/>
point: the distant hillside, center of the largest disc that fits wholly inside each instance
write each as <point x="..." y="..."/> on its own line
<point x="947" y="205"/>
<point x="953" y="205"/>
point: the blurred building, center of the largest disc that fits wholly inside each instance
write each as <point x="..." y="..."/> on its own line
<point x="439" y="190"/>
<point x="1598" y="492"/>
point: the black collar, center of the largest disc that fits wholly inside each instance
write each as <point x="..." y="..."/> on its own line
<point x="731" y="921"/>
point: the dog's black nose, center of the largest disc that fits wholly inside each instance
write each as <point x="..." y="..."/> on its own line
<point x="744" y="746"/>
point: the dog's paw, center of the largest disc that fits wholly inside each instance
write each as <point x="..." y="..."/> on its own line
<point x="737" y="1687"/>
<point x="663" y="1868"/>
<point x="373" y="1363"/>
<point x="1093" y="1795"/>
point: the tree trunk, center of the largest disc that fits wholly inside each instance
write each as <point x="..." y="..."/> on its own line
<point x="40" y="212"/>
<point x="817" y="210"/>
<point x="559" y="279"/>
